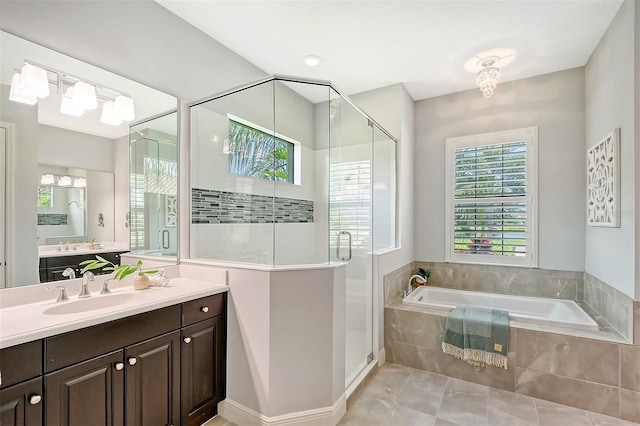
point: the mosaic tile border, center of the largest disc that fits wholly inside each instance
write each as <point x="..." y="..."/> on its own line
<point x="52" y="219"/>
<point x="216" y="207"/>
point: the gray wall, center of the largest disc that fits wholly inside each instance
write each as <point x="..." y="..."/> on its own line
<point x="609" y="86"/>
<point x="139" y="40"/>
<point x="553" y="102"/>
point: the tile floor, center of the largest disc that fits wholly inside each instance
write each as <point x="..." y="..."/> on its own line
<point x="395" y="395"/>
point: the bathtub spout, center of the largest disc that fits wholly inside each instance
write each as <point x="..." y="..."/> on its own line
<point x="418" y="278"/>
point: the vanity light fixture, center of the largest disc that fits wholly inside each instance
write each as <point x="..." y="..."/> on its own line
<point x="489" y="76"/>
<point x="16" y="96"/>
<point x="78" y="95"/>
<point x="64" y="181"/>
<point x="47" y="179"/>
<point x="79" y="183"/>
<point x="124" y="107"/>
<point x="33" y="81"/>
<point x="110" y="115"/>
<point x="71" y="104"/>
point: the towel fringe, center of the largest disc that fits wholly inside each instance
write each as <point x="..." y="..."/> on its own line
<point x="475" y="357"/>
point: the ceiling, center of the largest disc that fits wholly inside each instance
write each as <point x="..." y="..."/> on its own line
<point x="432" y="47"/>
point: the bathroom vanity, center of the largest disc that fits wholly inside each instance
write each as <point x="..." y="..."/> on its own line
<point x="162" y="364"/>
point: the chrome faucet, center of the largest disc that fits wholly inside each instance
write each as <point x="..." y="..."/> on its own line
<point x="69" y="272"/>
<point x="409" y="288"/>
<point x="105" y="287"/>
<point x="86" y="277"/>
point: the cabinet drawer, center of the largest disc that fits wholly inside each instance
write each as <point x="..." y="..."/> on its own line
<point x="20" y="362"/>
<point x="79" y="345"/>
<point x="202" y="309"/>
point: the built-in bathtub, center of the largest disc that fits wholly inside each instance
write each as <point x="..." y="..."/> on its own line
<point x="522" y="310"/>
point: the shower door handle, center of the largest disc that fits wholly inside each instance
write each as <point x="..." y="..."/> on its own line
<point x="166" y="243"/>
<point x="340" y="234"/>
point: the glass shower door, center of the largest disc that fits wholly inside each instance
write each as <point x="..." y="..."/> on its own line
<point x="350" y="227"/>
<point x="154" y="186"/>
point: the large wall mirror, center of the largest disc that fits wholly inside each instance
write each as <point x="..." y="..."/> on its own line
<point x="64" y="162"/>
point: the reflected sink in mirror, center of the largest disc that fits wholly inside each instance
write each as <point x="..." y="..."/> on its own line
<point x="90" y="304"/>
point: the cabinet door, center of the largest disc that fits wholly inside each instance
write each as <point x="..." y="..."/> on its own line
<point x="22" y="404"/>
<point x="88" y="393"/>
<point x="203" y="370"/>
<point x="152" y="388"/>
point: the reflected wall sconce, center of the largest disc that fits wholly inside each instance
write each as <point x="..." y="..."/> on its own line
<point x="78" y="95"/>
<point x="66" y="180"/>
<point x="489" y="76"/>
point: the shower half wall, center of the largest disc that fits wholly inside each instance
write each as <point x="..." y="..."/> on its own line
<point x="289" y="173"/>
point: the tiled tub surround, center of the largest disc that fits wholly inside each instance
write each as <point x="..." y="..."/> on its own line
<point x="610" y="308"/>
<point x="613" y="306"/>
<point x="595" y="375"/>
<point x="211" y="206"/>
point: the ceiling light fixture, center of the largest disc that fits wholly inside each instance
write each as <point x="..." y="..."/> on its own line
<point x="312" y="60"/>
<point x="79" y="182"/>
<point x="489" y="76"/>
<point x="16" y="95"/>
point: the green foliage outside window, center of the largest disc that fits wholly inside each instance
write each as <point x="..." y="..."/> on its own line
<point x="45" y="196"/>
<point x="259" y="154"/>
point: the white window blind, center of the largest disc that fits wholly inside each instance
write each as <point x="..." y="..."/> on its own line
<point x="491" y="193"/>
<point x="136" y="206"/>
<point x="350" y="201"/>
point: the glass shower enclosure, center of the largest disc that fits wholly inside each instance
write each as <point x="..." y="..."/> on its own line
<point x="290" y="172"/>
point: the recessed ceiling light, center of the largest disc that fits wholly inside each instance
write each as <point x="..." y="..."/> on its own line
<point x="312" y="60"/>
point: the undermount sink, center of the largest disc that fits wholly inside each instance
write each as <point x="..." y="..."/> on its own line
<point x="89" y="304"/>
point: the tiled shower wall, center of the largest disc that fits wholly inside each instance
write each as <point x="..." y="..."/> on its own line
<point x="52" y="219"/>
<point x="210" y="206"/>
<point x="613" y="307"/>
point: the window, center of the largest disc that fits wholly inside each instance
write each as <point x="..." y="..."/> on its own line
<point x="491" y="198"/>
<point x="45" y="196"/>
<point x="350" y="202"/>
<point x="253" y="152"/>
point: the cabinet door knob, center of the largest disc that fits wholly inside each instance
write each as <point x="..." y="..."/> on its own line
<point x="119" y="366"/>
<point x="187" y="339"/>
<point x="205" y="309"/>
<point x="35" y="399"/>
<point x="132" y="361"/>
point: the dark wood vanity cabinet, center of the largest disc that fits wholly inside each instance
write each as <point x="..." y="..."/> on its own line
<point x="21" y="390"/>
<point x="51" y="268"/>
<point x="203" y="359"/>
<point x="163" y="367"/>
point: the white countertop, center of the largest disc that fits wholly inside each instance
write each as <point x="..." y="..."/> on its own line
<point x="21" y="323"/>
<point x="72" y="252"/>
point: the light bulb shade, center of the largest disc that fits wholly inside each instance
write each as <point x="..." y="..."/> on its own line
<point x="124" y="107"/>
<point x="487" y="79"/>
<point x="16" y="95"/>
<point x="86" y="95"/>
<point x="34" y="81"/>
<point x="79" y="182"/>
<point x="109" y="114"/>
<point x="71" y="104"/>
<point x="64" y="181"/>
<point x="47" y="179"/>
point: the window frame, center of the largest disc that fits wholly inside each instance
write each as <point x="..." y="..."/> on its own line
<point x="295" y="163"/>
<point x="530" y="136"/>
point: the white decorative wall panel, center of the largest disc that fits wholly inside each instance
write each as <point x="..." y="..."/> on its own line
<point x="603" y="182"/>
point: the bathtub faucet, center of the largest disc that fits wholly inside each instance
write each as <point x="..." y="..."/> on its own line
<point x="409" y="289"/>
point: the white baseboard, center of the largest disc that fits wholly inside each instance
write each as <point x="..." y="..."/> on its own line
<point x="382" y="357"/>
<point x="244" y="416"/>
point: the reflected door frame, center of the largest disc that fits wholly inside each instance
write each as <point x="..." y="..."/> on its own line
<point x="7" y="131"/>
